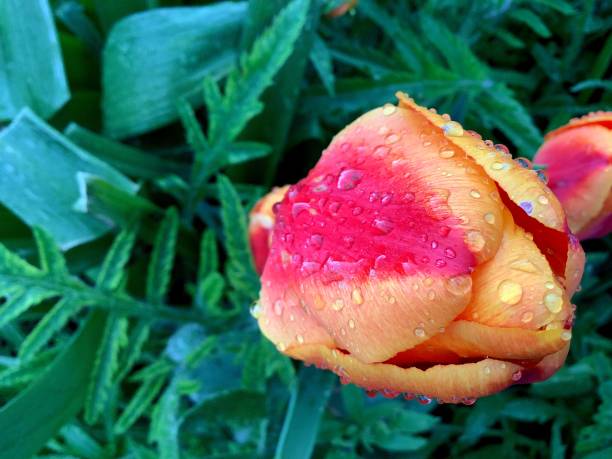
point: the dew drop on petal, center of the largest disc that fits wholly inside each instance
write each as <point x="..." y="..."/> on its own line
<point x="449" y="253"/>
<point x="486" y="370"/>
<point x="389" y="109"/>
<point x="452" y="129"/>
<point x="517" y="375"/>
<point x="383" y="225"/>
<point x="356" y="296"/>
<point x="497" y="166"/>
<point x="542" y="199"/>
<point x="349" y="179"/>
<point x="278" y="307"/>
<point x="475" y="240"/>
<point x="381" y="151"/>
<point x="523" y="265"/>
<point x="338" y="304"/>
<point x="351" y="324"/>
<point x="509" y="292"/>
<point x="566" y="335"/>
<point x="553" y="302"/>
<point x="419" y="332"/>
<point x="459" y="285"/>
<point x="298" y="208"/>
<point x="527" y="317"/>
<point x="475" y="194"/>
<point x="489" y="218"/>
<point x="391" y="138"/>
<point x="446" y="153"/>
<point x="409" y="196"/>
<point x="300" y="339"/>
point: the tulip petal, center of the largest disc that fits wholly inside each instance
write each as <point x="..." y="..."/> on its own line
<point x="601" y="118"/>
<point x="390" y="214"/>
<point x="574" y="268"/>
<point x="579" y="166"/>
<point x="450" y="383"/>
<point x="547" y="367"/>
<point x="470" y="339"/>
<point x="517" y="288"/>
<point x="261" y="222"/>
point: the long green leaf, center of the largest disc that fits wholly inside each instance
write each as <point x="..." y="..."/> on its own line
<point x="53" y="399"/>
<point x="162" y="259"/>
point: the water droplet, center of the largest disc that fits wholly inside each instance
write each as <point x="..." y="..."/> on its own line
<point x="517" y="375"/>
<point x="281" y="346"/>
<point x="486" y="370"/>
<point x="440" y="263"/>
<point x="348" y="241"/>
<point x="334" y="207"/>
<point x="351" y="324"/>
<point x="316" y="241"/>
<point x="502" y="148"/>
<point x="423" y="399"/>
<point x="549" y="285"/>
<point x="475" y="240"/>
<point x="527" y="317"/>
<point x="542" y="199"/>
<point x="431" y="295"/>
<point x="446" y="153"/>
<point x="409" y="197"/>
<point x="553" y="302"/>
<point x="509" y="292"/>
<point x="428" y="282"/>
<point x="278" y="307"/>
<point x="386" y="198"/>
<point x="298" y="208"/>
<point x="391" y="299"/>
<point x="459" y="285"/>
<point x="383" y="130"/>
<point x="357" y="210"/>
<point x="349" y="179"/>
<point x="391" y="138"/>
<point x="356" y="296"/>
<point x="468" y="401"/>
<point x="475" y="194"/>
<point x="527" y="206"/>
<point x="419" y="332"/>
<point x="389" y="109"/>
<point x="453" y="129"/>
<point x="256" y="310"/>
<point x="309" y="267"/>
<point x="489" y="218"/>
<point x="426" y="143"/>
<point x="434" y="244"/>
<point x="523" y="265"/>
<point x="566" y="335"/>
<point x="443" y="231"/>
<point x="497" y="166"/>
<point x="381" y="151"/>
<point x="338" y="304"/>
<point x="449" y="253"/>
<point x="300" y="339"/>
<point x="383" y="225"/>
<point x="524" y="163"/>
<point x="542" y="176"/>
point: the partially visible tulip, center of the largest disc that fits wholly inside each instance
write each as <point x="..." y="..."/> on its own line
<point x="417" y="258"/>
<point x="578" y="160"/>
<point x="342" y="9"/>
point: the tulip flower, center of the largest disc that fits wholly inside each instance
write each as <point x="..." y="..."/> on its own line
<point x="578" y="160"/>
<point x="417" y="259"/>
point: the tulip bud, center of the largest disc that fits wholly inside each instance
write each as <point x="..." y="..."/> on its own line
<point x="417" y="258"/>
<point x="578" y="160"/>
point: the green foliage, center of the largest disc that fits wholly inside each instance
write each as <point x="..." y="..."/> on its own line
<point x="125" y="270"/>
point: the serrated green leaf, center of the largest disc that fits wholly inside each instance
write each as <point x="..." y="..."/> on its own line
<point x="112" y="269"/>
<point x="51" y="259"/>
<point x="165" y="423"/>
<point x="209" y="257"/>
<point x="81" y="443"/>
<point x="18" y="303"/>
<point x="162" y="259"/>
<point x="210" y="291"/>
<point x="49" y="325"/>
<point x="139" y="403"/>
<point x="105" y="366"/>
<point x="245" y="84"/>
<point x="30" y="48"/>
<point x="240" y="263"/>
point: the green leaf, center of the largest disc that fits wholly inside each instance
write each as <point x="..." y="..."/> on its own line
<point x="531" y="20"/>
<point x="53" y="399"/>
<point x="162" y="259"/>
<point x="105" y="366"/>
<point x="530" y="410"/>
<point x="152" y="59"/>
<point x="126" y="159"/>
<point x="37" y="159"/>
<point x="165" y="423"/>
<point x="308" y="400"/>
<point x="73" y="16"/>
<point x="240" y="262"/>
<point x="30" y="49"/>
<point x="321" y="59"/>
<point x="112" y="269"/>
<point x="21" y="301"/>
<point x="139" y="403"/>
<point x="256" y="71"/>
<point x="209" y="257"/>
<point x="52" y="260"/>
<point x="51" y="323"/>
<point x="592" y="84"/>
<point x="80" y="442"/>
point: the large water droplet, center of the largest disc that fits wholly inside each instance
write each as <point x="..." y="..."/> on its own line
<point x="489" y="218"/>
<point x="389" y="109"/>
<point x="419" y="332"/>
<point x="475" y="194"/>
<point x="383" y="225"/>
<point x="566" y="335"/>
<point x="527" y="317"/>
<point x="452" y="129"/>
<point x="459" y="285"/>
<point x="553" y="302"/>
<point x="509" y="292"/>
<point x="349" y="179"/>
<point x="449" y="253"/>
<point x="356" y="296"/>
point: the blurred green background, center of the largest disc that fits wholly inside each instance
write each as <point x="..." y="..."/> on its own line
<point x="134" y="136"/>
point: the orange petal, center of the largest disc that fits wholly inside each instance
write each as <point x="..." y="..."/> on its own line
<point x="579" y="167"/>
<point x="470" y="339"/>
<point x="575" y="266"/>
<point x="390" y="213"/>
<point x="600" y="118"/>
<point x="517" y="288"/>
<point x="545" y="368"/>
<point x="450" y="383"/>
<point x="261" y="222"/>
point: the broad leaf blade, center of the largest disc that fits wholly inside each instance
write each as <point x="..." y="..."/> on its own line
<point x="30" y="49"/>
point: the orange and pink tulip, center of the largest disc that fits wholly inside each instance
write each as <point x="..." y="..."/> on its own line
<point x="578" y="160"/>
<point x="417" y="259"/>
